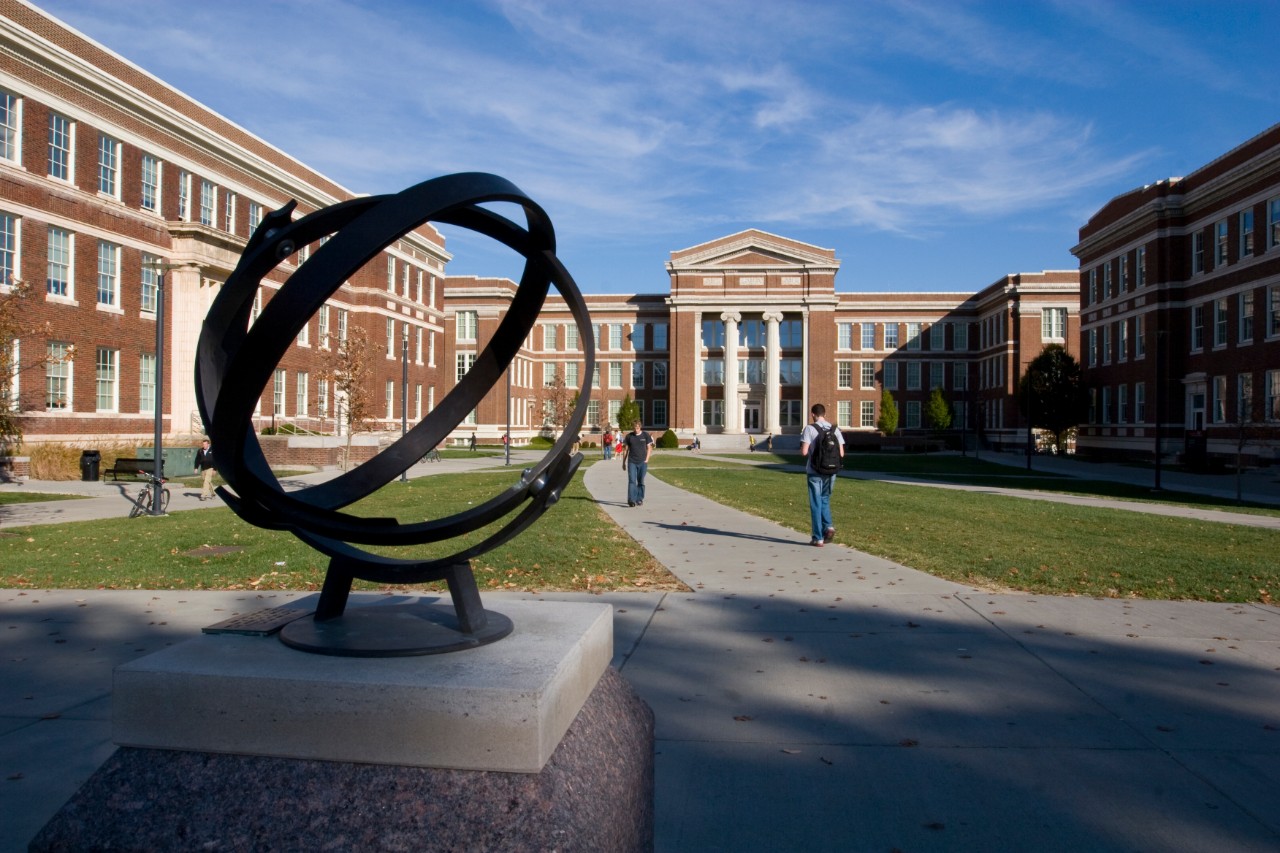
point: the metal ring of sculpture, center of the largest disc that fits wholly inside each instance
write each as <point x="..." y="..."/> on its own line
<point x="235" y="360"/>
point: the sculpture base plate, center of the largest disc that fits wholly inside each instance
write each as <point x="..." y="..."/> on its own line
<point x="393" y="630"/>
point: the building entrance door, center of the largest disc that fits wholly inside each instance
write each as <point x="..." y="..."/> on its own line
<point x="751" y="416"/>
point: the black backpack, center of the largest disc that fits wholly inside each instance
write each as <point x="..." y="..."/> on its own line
<point x="826" y="451"/>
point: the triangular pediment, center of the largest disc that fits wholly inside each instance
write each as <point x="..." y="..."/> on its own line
<point x="753" y="249"/>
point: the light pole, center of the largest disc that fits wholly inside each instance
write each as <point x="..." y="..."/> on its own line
<point x="404" y="391"/>
<point x="158" y="463"/>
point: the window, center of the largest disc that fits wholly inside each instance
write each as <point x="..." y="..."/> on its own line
<point x="1139" y="403"/>
<point x="712" y="372"/>
<point x="571" y="342"/>
<point x="464" y="361"/>
<point x="659" y="375"/>
<point x="868" y="375"/>
<point x="1140" y="267"/>
<point x="960" y="375"/>
<point x="108" y="379"/>
<point x="913" y="336"/>
<point x="10" y="126"/>
<point x="147" y="384"/>
<point x="1244" y="398"/>
<point x="150" y="183"/>
<point x="548" y="337"/>
<point x="890" y="335"/>
<point x="417" y="345"/>
<point x="938" y="337"/>
<point x="108" y="274"/>
<point x="791" y="334"/>
<point x="301" y="407"/>
<point x="790" y="371"/>
<point x="1219" y="399"/>
<point x="1122" y="403"/>
<point x="184" y="195"/>
<point x="322" y="398"/>
<point x="57" y="376"/>
<point x="1053" y="324"/>
<point x="615" y="375"/>
<point x="1093" y="285"/>
<point x="1197" y="252"/>
<point x="790" y="414"/>
<point x="712" y="334"/>
<point x="713" y="412"/>
<point x="1106" y="281"/>
<point x="1139" y="336"/>
<point x="391" y="337"/>
<point x="751" y="371"/>
<point x="844" y="375"/>
<point x="615" y="336"/>
<point x="208" y="199"/>
<point x="659" y="337"/>
<point x="322" y="326"/>
<point x="304" y="335"/>
<point x="1106" y="344"/>
<point x="912" y="410"/>
<point x="844" y="412"/>
<point x="467" y="324"/>
<point x="844" y="336"/>
<point x="1124" y="273"/>
<point x="60" y="130"/>
<point x="8" y="248"/>
<point x="342" y="326"/>
<point x="1197" y="327"/>
<point x="1245" y="332"/>
<point x="229" y="212"/>
<point x="891" y="375"/>
<point x="913" y="376"/>
<point x="1093" y="347"/>
<point x="868" y="336"/>
<point x="868" y="413"/>
<point x="255" y="216"/>
<point x="659" y="413"/>
<point x="595" y="375"/>
<point x="572" y="374"/>
<point x="277" y="392"/>
<point x="1246" y="233"/>
<point x="391" y="398"/>
<point x="1106" y="405"/>
<point x="108" y="166"/>
<point x="960" y="336"/>
<point x="548" y="373"/>
<point x="1220" y="244"/>
<point x="937" y="374"/>
<point x="1220" y="322"/>
<point x="1273" y="395"/>
<point x="58" y="280"/>
<point x="1122" y="340"/>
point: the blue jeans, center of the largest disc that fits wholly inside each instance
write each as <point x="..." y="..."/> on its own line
<point x="608" y="450"/>
<point x="635" y="481"/>
<point x="820" y="503"/>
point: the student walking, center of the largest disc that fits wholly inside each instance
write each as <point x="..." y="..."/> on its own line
<point x="608" y="443"/>
<point x="822" y="445"/>
<point x="204" y="464"/>
<point x="637" y="447"/>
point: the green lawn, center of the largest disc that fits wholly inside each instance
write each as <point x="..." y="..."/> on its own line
<point x="1038" y="546"/>
<point x="573" y="547"/>
<point x="33" y="497"/>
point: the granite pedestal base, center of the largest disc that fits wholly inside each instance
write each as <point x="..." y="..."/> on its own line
<point x="594" y="794"/>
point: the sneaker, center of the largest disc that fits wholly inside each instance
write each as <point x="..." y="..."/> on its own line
<point x="817" y="543"/>
<point x="639" y="503"/>
<point x="829" y="534"/>
<point x="631" y="503"/>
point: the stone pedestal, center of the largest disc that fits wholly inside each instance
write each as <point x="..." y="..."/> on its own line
<point x="235" y="742"/>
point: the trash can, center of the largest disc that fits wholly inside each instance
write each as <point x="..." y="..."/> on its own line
<point x="90" y="462"/>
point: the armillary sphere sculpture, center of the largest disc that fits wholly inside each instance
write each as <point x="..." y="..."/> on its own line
<point x="236" y="359"/>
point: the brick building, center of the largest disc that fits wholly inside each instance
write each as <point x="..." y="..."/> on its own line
<point x="108" y="175"/>
<point x="1180" y="297"/>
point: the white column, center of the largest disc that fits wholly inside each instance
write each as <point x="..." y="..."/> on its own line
<point x="697" y="370"/>
<point x="772" y="355"/>
<point x="732" y="423"/>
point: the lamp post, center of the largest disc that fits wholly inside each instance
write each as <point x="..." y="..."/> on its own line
<point x="404" y="391"/>
<point x="158" y="463"/>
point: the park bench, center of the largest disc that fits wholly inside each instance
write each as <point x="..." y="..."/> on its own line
<point x="131" y="468"/>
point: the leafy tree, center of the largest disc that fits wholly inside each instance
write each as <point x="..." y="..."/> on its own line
<point x="628" y="414"/>
<point x="350" y="366"/>
<point x="887" y="423"/>
<point x="1051" y="386"/>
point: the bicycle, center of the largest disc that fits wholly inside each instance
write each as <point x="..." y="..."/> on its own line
<point x="142" y="503"/>
<point x="433" y="455"/>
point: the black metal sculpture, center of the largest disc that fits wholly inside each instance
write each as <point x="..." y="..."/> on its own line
<point x="235" y="360"/>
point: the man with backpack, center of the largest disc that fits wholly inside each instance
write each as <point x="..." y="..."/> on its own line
<point x="822" y="446"/>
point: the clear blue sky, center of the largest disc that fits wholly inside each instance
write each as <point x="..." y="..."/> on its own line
<point x="933" y="145"/>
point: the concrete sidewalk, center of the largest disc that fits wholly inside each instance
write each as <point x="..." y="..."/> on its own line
<point x="809" y="699"/>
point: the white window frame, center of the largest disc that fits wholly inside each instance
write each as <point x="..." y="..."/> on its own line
<point x="108" y="275"/>
<point x="10" y="127"/>
<point x="109" y="166"/>
<point x="107" y="379"/>
<point x="150" y="181"/>
<point x="60" y="158"/>
<point x="63" y="242"/>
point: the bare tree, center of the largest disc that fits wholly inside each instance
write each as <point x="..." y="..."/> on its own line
<point x="16" y="360"/>
<point x="557" y="404"/>
<point x="350" y="367"/>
